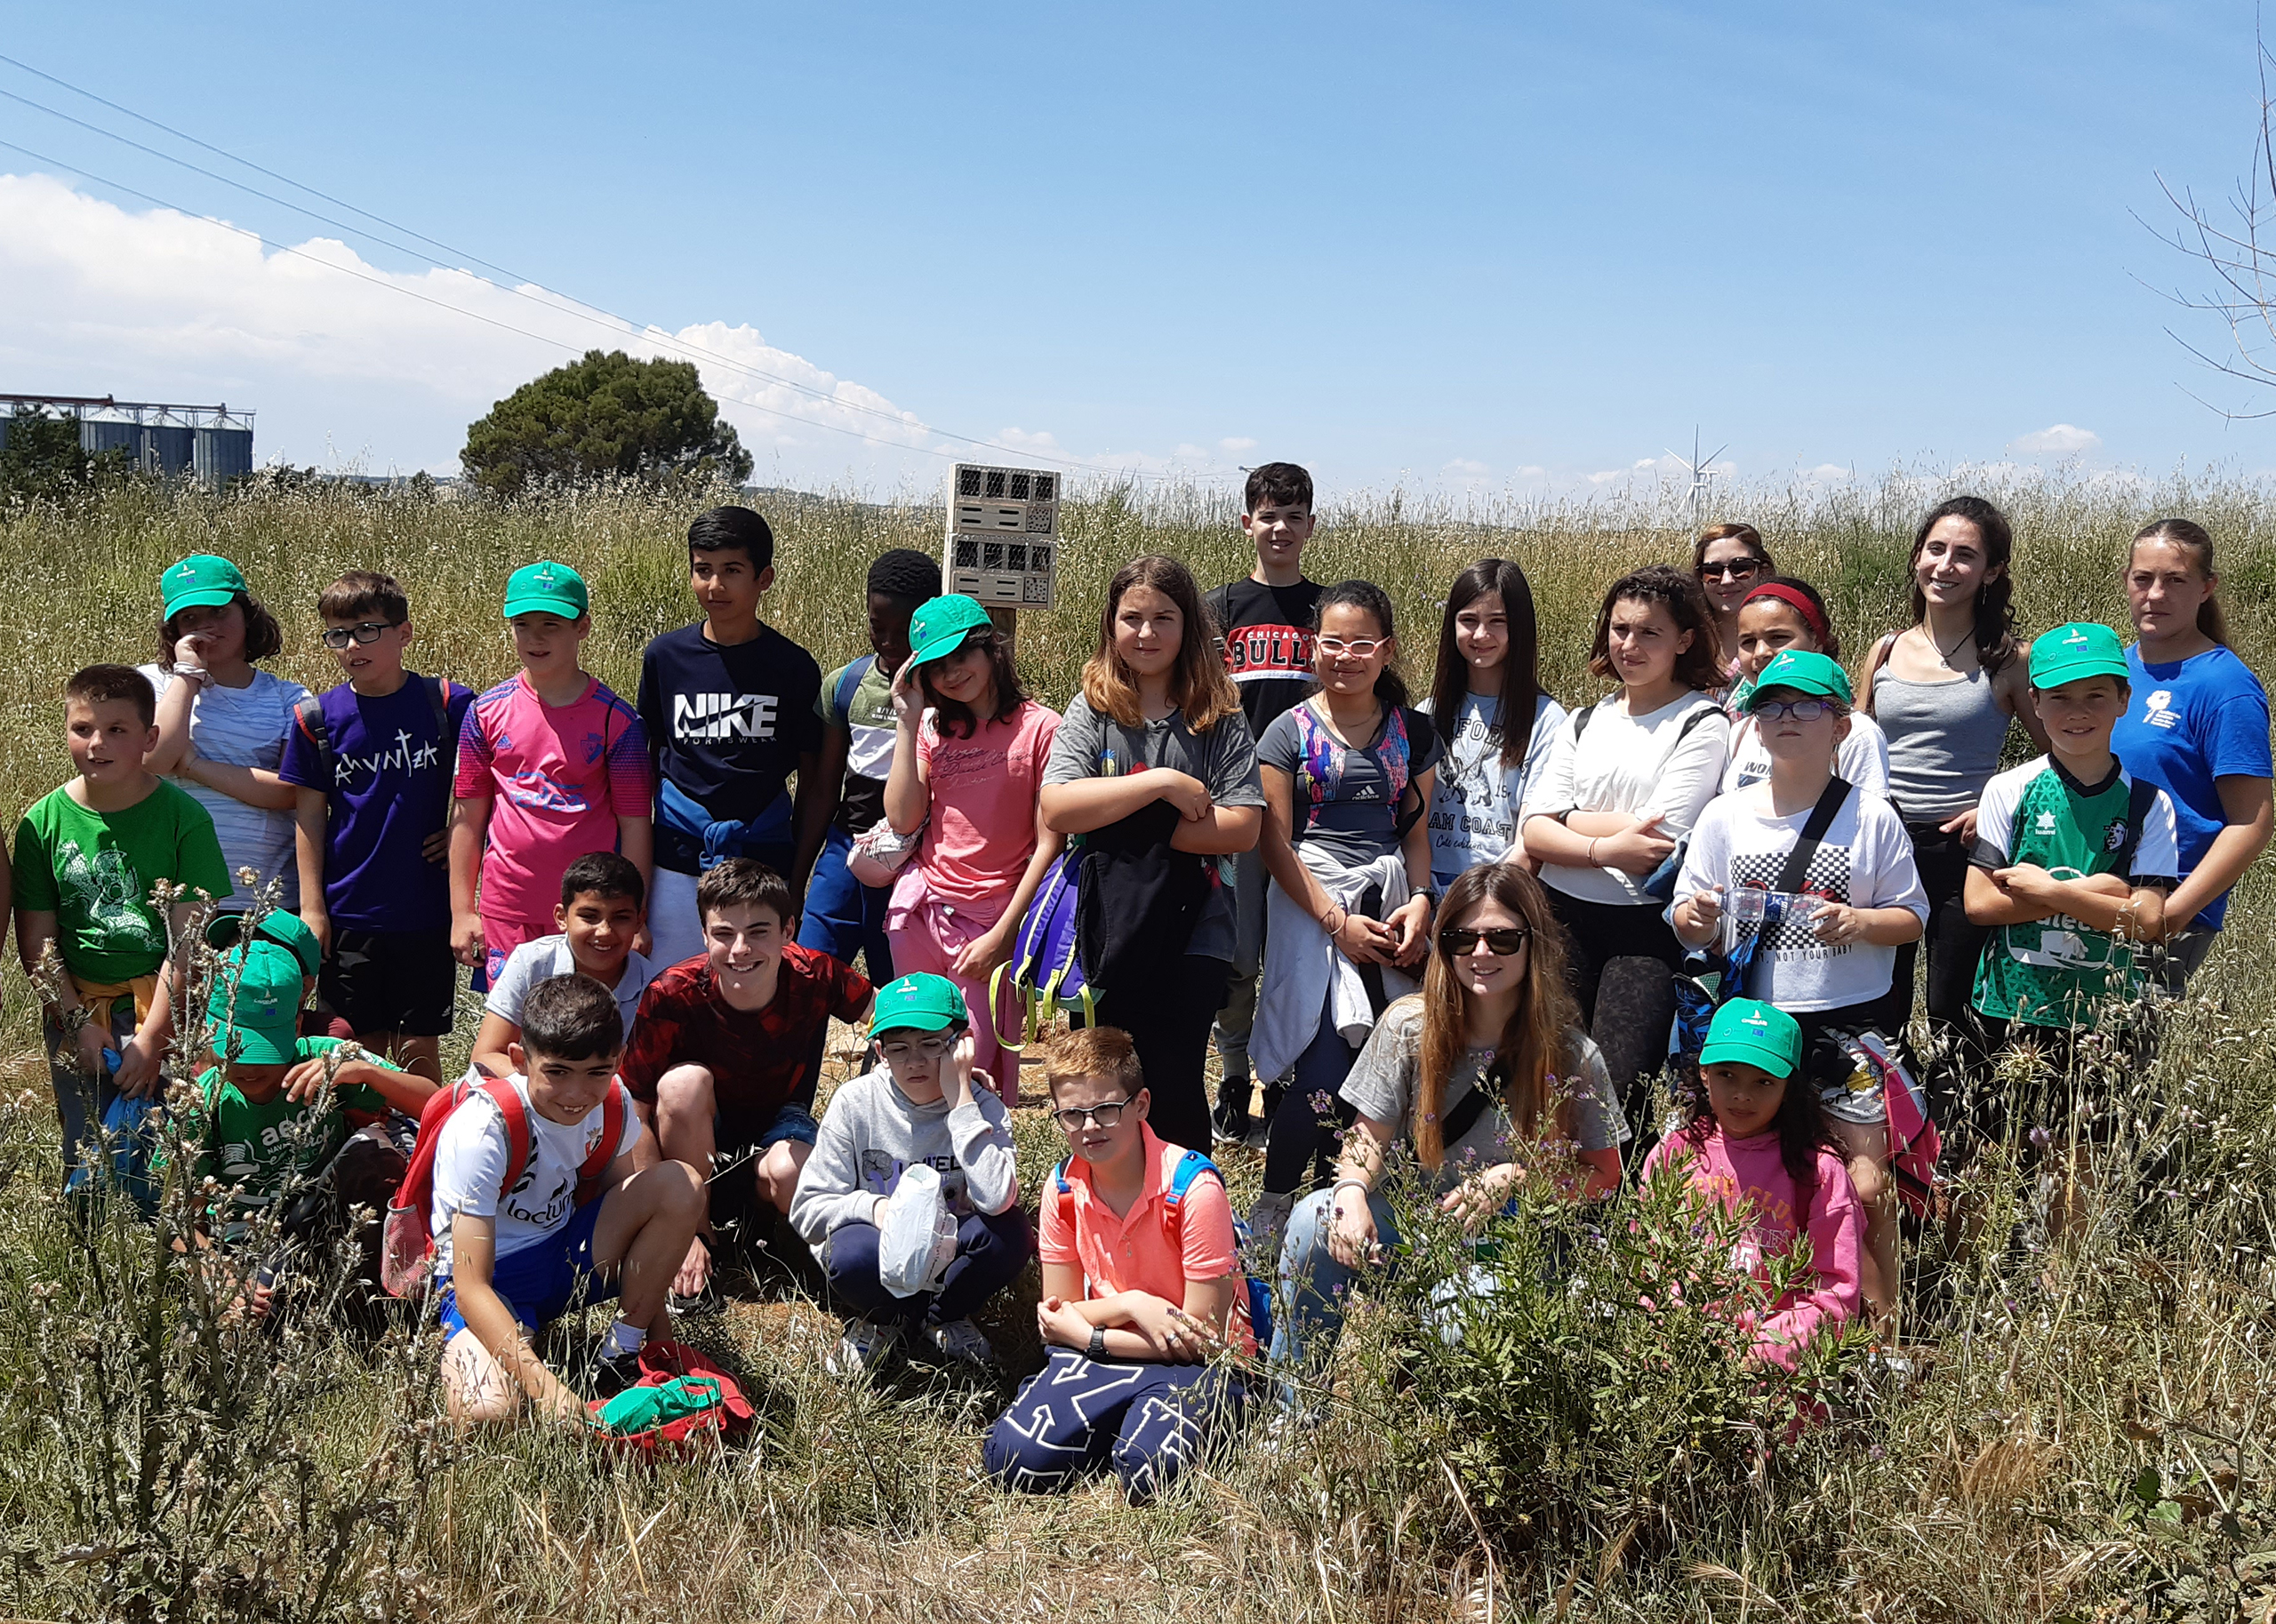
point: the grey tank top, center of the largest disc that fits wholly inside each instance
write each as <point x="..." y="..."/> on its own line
<point x="1944" y="741"/>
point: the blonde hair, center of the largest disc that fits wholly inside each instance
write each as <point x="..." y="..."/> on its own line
<point x="1092" y="1051"/>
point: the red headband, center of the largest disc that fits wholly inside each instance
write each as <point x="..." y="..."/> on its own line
<point x="1800" y="602"/>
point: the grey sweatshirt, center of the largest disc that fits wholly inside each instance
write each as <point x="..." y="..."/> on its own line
<point x="872" y="1131"/>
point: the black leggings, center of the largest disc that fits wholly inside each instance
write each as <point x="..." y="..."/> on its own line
<point x="1953" y="947"/>
<point x="1623" y="958"/>
<point x="1168" y="1022"/>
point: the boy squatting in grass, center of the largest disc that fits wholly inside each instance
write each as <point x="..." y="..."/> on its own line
<point x="87" y="856"/>
<point x="371" y="773"/>
<point x="719" y="1058"/>
<point x="924" y="1103"/>
<point x="599" y="914"/>
<point x="508" y="1260"/>
<point x="550" y="765"/>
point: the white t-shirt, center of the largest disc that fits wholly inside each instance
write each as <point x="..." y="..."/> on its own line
<point x="1474" y="808"/>
<point x="1862" y="759"/>
<point x="1638" y="766"/>
<point x="470" y="1166"/>
<point x="548" y="956"/>
<point x="244" y="727"/>
<point x="1865" y="860"/>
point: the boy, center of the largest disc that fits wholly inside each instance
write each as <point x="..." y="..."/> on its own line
<point x="564" y="763"/>
<point x="719" y="1062"/>
<point x="270" y="1122"/>
<point x="2072" y="859"/>
<point x="371" y="762"/>
<point x="729" y="707"/>
<point x="1135" y="1301"/>
<point x="87" y="857"/>
<point x="506" y="1261"/>
<point x="599" y="914"/>
<point x="843" y="917"/>
<point x="1265" y="625"/>
<point x="919" y="1105"/>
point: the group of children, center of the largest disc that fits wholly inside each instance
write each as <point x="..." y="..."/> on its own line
<point x="1443" y="934"/>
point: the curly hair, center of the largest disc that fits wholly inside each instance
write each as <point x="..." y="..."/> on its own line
<point x="1696" y="666"/>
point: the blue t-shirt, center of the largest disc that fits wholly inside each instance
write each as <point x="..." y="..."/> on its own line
<point x="2191" y="722"/>
<point x="392" y="769"/>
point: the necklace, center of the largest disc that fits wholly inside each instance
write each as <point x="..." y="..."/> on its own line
<point x="1945" y="655"/>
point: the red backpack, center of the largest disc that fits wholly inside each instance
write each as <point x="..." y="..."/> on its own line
<point x="407" y="1245"/>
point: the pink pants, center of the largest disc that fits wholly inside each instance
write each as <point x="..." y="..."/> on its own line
<point x="501" y="937"/>
<point x="927" y="934"/>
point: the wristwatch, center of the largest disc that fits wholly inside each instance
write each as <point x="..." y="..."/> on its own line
<point x="1097" y="1349"/>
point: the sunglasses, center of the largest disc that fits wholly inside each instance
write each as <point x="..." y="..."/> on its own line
<point x="1107" y="1115"/>
<point x="1801" y="710"/>
<point x="340" y="636"/>
<point x="1336" y="648"/>
<point x="1500" y="944"/>
<point x="1731" y="569"/>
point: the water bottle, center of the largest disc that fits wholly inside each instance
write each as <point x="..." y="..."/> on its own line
<point x="1746" y="911"/>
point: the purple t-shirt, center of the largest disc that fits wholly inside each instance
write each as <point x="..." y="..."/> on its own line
<point x="393" y="763"/>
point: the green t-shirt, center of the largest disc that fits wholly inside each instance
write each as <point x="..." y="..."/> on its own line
<point x="257" y="1151"/>
<point x="2052" y="973"/>
<point x="94" y="871"/>
<point x="867" y="717"/>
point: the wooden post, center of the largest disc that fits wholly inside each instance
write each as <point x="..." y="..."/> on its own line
<point x="1007" y="626"/>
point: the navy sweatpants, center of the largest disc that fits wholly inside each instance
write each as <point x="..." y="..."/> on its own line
<point x="991" y="1254"/>
<point x="1146" y="1420"/>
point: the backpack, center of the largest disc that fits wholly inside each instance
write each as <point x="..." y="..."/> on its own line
<point x="848" y="681"/>
<point x="1915" y="1144"/>
<point x="1046" y="962"/>
<point x="1190" y="1166"/>
<point x="1321" y="756"/>
<point x="308" y="716"/>
<point x="681" y="1403"/>
<point x="407" y="1243"/>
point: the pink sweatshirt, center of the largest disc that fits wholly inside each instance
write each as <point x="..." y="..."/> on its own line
<point x="1751" y="1171"/>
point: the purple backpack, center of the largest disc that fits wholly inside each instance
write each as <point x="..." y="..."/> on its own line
<point x="1046" y="962"/>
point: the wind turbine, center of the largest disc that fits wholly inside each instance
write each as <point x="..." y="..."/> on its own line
<point x="1702" y="476"/>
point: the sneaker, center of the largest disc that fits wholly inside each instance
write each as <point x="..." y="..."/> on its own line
<point x="1268" y="1221"/>
<point x="1229" y="1123"/>
<point x="706" y="1301"/>
<point x="613" y="1376"/>
<point x="962" y="1341"/>
<point x="865" y="1342"/>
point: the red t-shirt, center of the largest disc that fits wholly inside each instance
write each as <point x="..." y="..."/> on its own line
<point x="757" y="1058"/>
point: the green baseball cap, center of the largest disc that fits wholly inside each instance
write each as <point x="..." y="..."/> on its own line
<point x="2078" y="649"/>
<point x="279" y="925"/>
<point x="917" y="1003"/>
<point x="1747" y="1029"/>
<point x="202" y="580"/>
<point x="257" y="1020"/>
<point x="1803" y="672"/>
<point x="940" y="625"/>
<point x="546" y="587"/>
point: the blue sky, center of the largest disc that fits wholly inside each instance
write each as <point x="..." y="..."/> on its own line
<point x="1466" y="246"/>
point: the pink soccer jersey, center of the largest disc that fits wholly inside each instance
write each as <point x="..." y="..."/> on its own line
<point x="558" y="777"/>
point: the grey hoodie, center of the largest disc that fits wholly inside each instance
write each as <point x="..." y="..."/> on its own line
<point x="872" y="1131"/>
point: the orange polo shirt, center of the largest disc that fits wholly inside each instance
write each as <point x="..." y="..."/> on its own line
<point x="1132" y="1253"/>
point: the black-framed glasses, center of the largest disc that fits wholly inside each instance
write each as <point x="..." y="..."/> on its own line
<point x="1801" y="710"/>
<point x="1072" y="1119"/>
<point x="366" y="631"/>
<point x="1731" y="569"/>
<point x="905" y="1049"/>
<point x="1457" y="939"/>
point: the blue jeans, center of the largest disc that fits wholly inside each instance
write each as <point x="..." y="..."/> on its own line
<point x="1313" y="1286"/>
<point x="1146" y="1420"/>
<point x="990" y="1253"/>
<point x="843" y="917"/>
<point x="1305" y="1137"/>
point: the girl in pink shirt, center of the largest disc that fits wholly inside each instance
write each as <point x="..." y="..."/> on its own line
<point x="968" y="760"/>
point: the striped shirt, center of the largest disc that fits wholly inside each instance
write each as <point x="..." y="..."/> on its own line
<point x="244" y="727"/>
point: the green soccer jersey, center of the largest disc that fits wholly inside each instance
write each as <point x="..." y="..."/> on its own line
<point x="2051" y="972"/>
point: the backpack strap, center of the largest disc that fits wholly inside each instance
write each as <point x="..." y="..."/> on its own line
<point x="510" y="1106"/>
<point x="605" y="1150"/>
<point x="1064" y="1193"/>
<point x="308" y="716"/>
<point x="1464" y="1117"/>
<point x="2140" y="797"/>
<point x="1797" y="867"/>
<point x="848" y="681"/>
<point x="1581" y="720"/>
<point x="1875" y="661"/>
<point x="1190" y="1166"/>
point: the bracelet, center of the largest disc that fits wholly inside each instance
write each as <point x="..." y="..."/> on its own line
<point x="1339" y="924"/>
<point x="1361" y="1185"/>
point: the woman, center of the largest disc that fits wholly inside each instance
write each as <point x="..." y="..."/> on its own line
<point x="1945" y="691"/>
<point x="1781" y="613"/>
<point x="1154" y="765"/>
<point x="1490" y="712"/>
<point x="1629" y="777"/>
<point x="1482" y="1082"/>
<point x="2196" y="725"/>
<point x="1727" y="560"/>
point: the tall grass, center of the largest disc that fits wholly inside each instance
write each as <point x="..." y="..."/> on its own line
<point x="2087" y="1437"/>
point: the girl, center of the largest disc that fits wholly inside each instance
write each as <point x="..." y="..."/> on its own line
<point x="1782" y="613"/>
<point x="1629" y="777"/>
<point x="1485" y="1080"/>
<point x="1155" y="766"/>
<point x="1945" y="692"/>
<point x="1487" y="707"/>
<point x="2196" y="725"/>
<point x="1825" y="955"/>
<point x="1346" y="775"/>
<point x="965" y="770"/>
<point x="221" y="720"/>
<point x="1757" y="1143"/>
<point x="1727" y="560"/>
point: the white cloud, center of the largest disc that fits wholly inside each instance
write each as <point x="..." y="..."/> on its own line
<point x="1234" y="445"/>
<point x="1464" y="467"/>
<point x="2064" y="439"/>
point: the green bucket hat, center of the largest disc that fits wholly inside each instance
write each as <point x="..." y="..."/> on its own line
<point x="546" y="587"/>
<point x="2078" y="650"/>
<point x="256" y="1021"/>
<point x="1747" y="1029"/>
<point x="1803" y="672"/>
<point x="917" y="1003"/>
<point x="279" y="925"/>
<point x="202" y="580"/>
<point x="940" y="625"/>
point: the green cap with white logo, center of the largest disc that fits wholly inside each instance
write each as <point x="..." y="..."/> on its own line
<point x="546" y="587"/>
<point x="202" y="580"/>
<point x="254" y="1016"/>
<point x="1802" y="672"/>
<point x="1749" y="1030"/>
<point x="277" y="925"/>
<point x="940" y="625"/>
<point x="918" y="1004"/>
<point x="2081" y="649"/>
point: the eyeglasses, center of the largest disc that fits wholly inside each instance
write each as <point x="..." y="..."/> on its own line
<point x="1098" y="1116"/>
<point x="1731" y="569"/>
<point x="927" y="1048"/>
<point x="1500" y="944"/>
<point x="1801" y="710"/>
<point x="368" y="631"/>
<point x="1336" y="648"/>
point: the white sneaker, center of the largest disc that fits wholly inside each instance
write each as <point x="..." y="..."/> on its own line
<point x="1268" y="1221"/>
<point x="865" y="1342"/>
<point x="962" y="1340"/>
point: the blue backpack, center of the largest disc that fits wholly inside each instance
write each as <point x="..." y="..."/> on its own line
<point x="1046" y="962"/>
<point x="1190" y="1166"/>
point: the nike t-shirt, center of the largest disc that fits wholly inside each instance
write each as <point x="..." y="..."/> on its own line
<point x="728" y="723"/>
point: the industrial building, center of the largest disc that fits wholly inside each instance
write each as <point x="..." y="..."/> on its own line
<point x="211" y="445"/>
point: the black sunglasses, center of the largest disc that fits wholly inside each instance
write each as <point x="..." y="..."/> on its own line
<point x="1500" y="944"/>
<point x="368" y="631"/>
<point x="1731" y="569"/>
